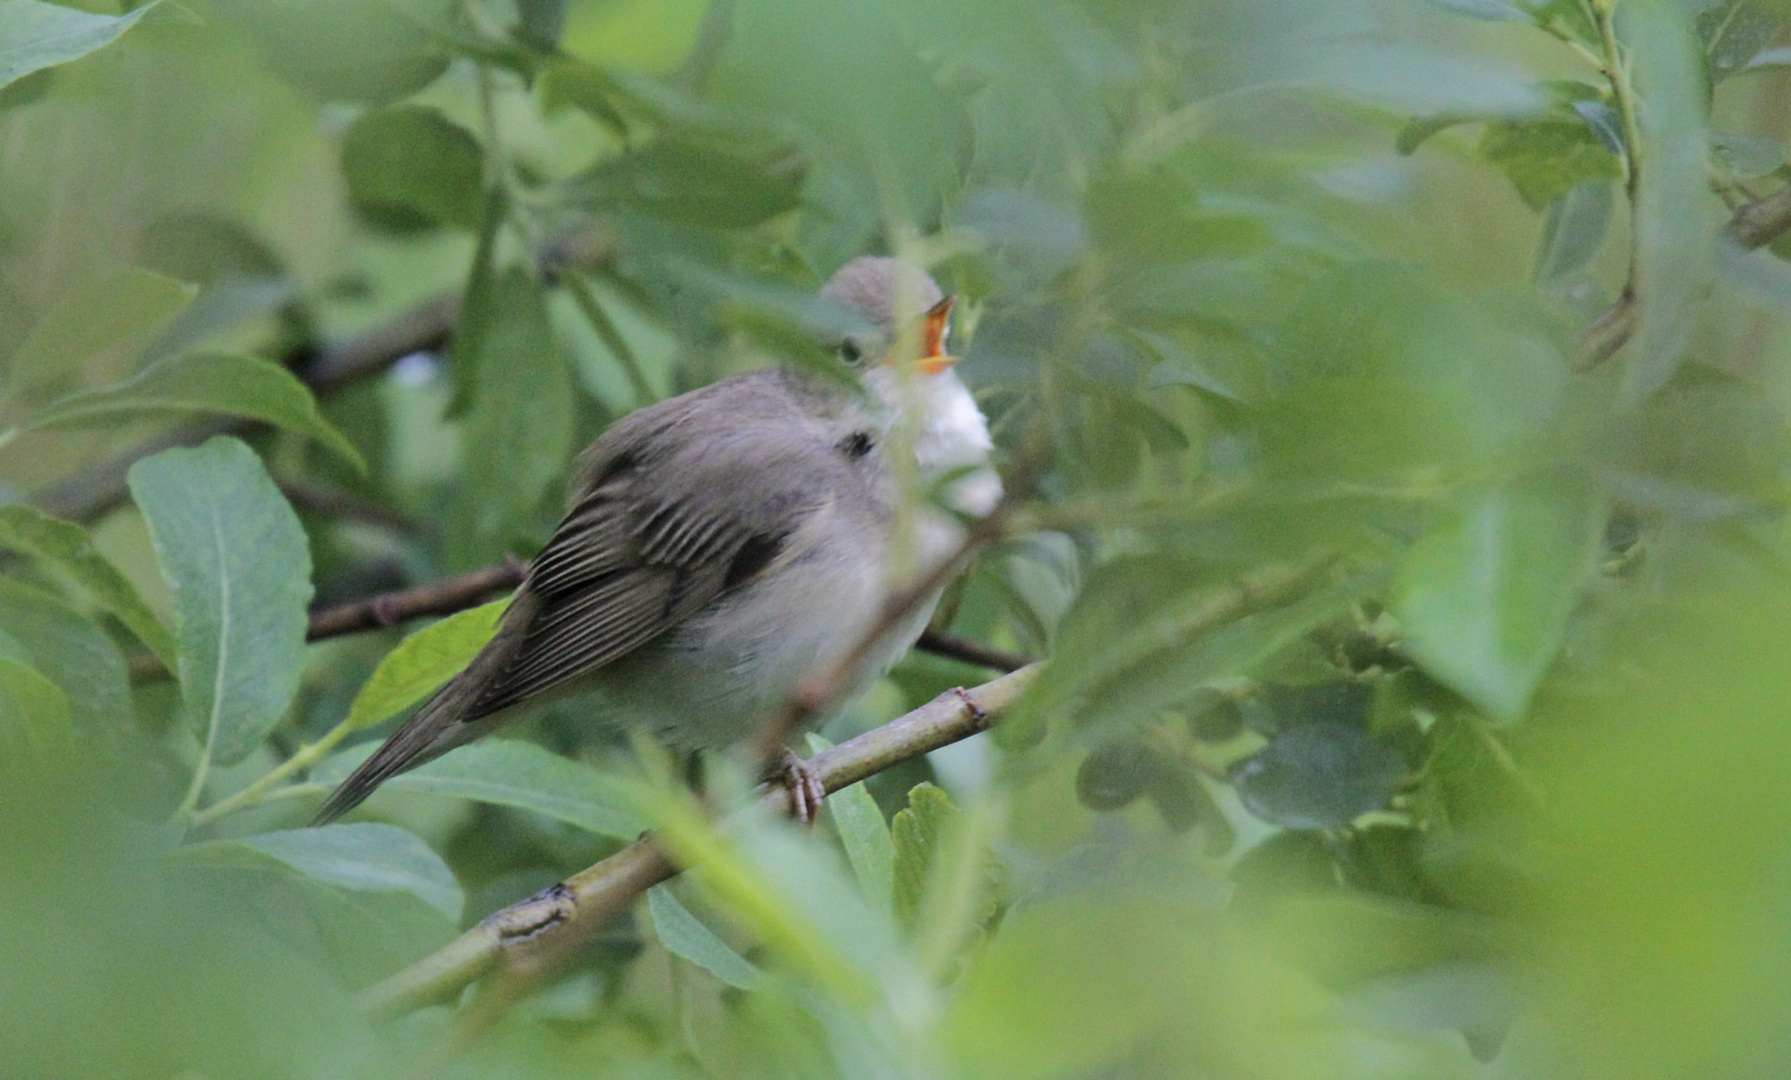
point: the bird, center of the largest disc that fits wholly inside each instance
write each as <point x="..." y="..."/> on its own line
<point x="724" y="545"/>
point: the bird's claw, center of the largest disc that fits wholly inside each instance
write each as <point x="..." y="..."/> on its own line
<point x="803" y="784"/>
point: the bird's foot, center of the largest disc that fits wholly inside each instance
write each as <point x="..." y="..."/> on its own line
<point x="803" y="784"/>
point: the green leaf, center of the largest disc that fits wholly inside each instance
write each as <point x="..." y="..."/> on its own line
<point x="917" y="833"/>
<point x="34" y="36"/>
<point x="348" y="50"/>
<point x="698" y="182"/>
<point x="1545" y="158"/>
<point x="67" y="547"/>
<point x="1734" y="31"/>
<point x="72" y="653"/>
<point x="510" y="772"/>
<point x="1674" y="251"/>
<point x="865" y="836"/>
<point x="683" y="934"/>
<point x="116" y="312"/>
<point x="408" y="167"/>
<point x="1484" y="596"/>
<point x="422" y="662"/>
<point x="36" y="727"/>
<point x="518" y="423"/>
<point x="1318" y="776"/>
<point x="230" y="383"/>
<point x="360" y="858"/>
<point x="1573" y="230"/>
<point x="236" y="558"/>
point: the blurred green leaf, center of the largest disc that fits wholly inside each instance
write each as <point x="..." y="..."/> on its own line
<point x="75" y="655"/>
<point x="422" y="662"/>
<point x="34" y="35"/>
<point x="1747" y="156"/>
<point x="359" y="858"/>
<point x="917" y="832"/>
<point x="509" y="772"/>
<point x="864" y="835"/>
<point x="1546" y="158"/>
<point x="347" y="50"/>
<point x="518" y="425"/>
<point x="36" y="727"/>
<point x="115" y="313"/>
<point x="642" y="35"/>
<point x="1387" y="375"/>
<point x="236" y="558"/>
<point x="1485" y="594"/>
<point x="1673" y="250"/>
<point x="1573" y="230"/>
<point x="1488" y="10"/>
<point x="67" y="547"/>
<point x="408" y="166"/>
<point x="1734" y="31"/>
<point x="696" y="182"/>
<point x="683" y="934"/>
<point x="230" y="383"/>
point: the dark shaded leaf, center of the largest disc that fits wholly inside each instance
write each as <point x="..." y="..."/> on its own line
<point x="697" y="182"/>
<point x="1318" y="776"/>
<point x="409" y="166"/>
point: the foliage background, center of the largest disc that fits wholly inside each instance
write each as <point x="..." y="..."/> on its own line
<point x="1245" y="284"/>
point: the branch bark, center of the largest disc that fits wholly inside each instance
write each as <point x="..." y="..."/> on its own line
<point x="528" y="938"/>
<point x="1753" y="225"/>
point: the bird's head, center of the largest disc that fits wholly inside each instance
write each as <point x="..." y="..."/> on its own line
<point x="907" y="318"/>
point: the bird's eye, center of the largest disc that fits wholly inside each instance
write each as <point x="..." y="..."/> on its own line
<point x="850" y="351"/>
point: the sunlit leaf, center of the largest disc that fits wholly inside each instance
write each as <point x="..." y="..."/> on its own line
<point x="422" y="662"/>
<point x="67" y="547"/>
<point x="1546" y="158"/>
<point x="236" y="558"/>
<point x="683" y="934"/>
<point x="34" y="35"/>
<point x="230" y="383"/>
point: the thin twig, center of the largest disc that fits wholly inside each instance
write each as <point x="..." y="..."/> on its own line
<point x="970" y="652"/>
<point x="442" y="597"/>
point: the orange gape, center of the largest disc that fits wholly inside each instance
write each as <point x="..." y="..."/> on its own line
<point x="933" y="358"/>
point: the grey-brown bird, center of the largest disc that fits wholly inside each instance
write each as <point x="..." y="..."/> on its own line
<point x="723" y="545"/>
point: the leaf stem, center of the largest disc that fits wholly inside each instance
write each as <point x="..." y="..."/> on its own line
<point x="259" y="791"/>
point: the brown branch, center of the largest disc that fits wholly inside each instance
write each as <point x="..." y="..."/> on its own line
<point x="529" y="939"/>
<point x="101" y="486"/>
<point x="1752" y="226"/>
<point x="442" y="597"/>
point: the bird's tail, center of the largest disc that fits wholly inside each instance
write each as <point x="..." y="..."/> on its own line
<point x="438" y="727"/>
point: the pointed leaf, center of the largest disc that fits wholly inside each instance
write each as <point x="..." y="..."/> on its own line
<point x="865" y="836"/>
<point x="236" y="558"/>
<point x="410" y="166"/>
<point x="360" y="858"/>
<point x="683" y="934"/>
<point x="1485" y="595"/>
<point x="230" y="383"/>
<point x="422" y="662"/>
<point x="34" y="36"/>
<point x="510" y="772"/>
<point x="67" y="547"/>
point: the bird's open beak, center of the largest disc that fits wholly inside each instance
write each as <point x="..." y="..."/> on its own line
<point x="935" y="327"/>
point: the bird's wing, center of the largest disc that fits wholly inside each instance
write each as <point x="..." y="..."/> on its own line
<point x="676" y="509"/>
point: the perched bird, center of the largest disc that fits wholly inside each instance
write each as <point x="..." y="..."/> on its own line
<point x="726" y="544"/>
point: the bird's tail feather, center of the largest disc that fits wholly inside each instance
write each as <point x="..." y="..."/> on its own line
<point x="423" y="738"/>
